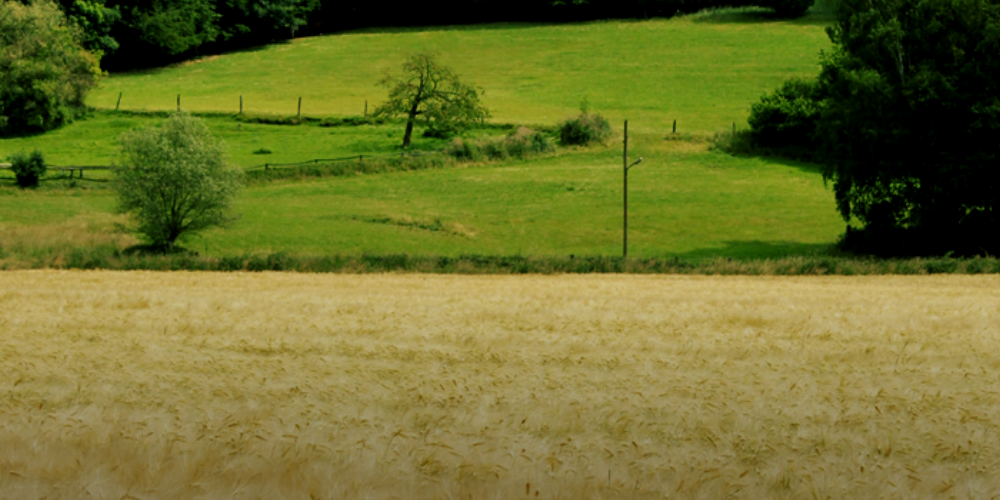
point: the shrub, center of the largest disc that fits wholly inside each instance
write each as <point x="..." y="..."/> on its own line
<point x="787" y="117"/>
<point x="584" y="129"/>
<point x="521" y="143"/>
<point x="28" y="168"/>
<point x="45" y="74"/>
<point x="734" y="143"/>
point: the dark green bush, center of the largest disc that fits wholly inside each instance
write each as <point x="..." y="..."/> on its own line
<point x="349" y="121"/>
<point x="584" y="129"/>
<point x="521" y="143"/>
<point x="28" y="168"/>
<point x="734" y="143"/>
<point x="789" y="8"/>
<point x="787" y="118"/>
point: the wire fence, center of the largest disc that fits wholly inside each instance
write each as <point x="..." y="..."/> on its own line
<point x="358" y="158"/>
<point x="76" y="171"/>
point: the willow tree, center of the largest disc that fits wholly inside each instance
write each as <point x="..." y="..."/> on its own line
<point x="430" y="93"/>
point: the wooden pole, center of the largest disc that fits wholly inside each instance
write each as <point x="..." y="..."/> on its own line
<point x="625" y="195"/>
<point x="675" y="126"/>
<point x="241" y="105"/>
<point x="178" y="103"/>
<point x="119" y="101"/>
<point x="300" y="108"/>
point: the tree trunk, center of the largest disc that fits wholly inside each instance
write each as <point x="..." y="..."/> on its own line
<point x="409" y="123"/>
<point x="409" y="132"/>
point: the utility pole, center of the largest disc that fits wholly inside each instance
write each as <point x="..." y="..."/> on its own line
<point x="625" y="169"/>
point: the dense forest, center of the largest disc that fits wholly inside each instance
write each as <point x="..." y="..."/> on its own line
<point x="141" y="33"/>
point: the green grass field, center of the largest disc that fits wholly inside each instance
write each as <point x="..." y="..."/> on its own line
<point x="703" y="70"/>
<point x="94" y="140"/>
<point x="683" y="201"/>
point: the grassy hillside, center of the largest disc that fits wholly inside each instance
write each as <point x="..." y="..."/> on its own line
<point x="701" y="70"/>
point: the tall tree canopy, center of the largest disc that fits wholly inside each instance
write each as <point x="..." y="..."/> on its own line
<point x="906" y="115"/>
<point x="45" y="73"/>
<point x="912" y="120"/>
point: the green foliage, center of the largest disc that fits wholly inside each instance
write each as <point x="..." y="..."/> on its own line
<point x="284" y="14"/>
<point x="519" y="144"/>
<point x="173" y="26"/>
<point x="904" y="118"/>
<point x="28" y="168"/>
<point x="911" y="120"/>
<point x="789" y="8"/>
<point x="787" y="118"/>
<point x="735" y="143"/>
<point x="584" y="129"/>
<point x="174" y="180"/>
<point x="45" y="74"/>
<point x="433" y="94"/>
<point x="95" y="21"/>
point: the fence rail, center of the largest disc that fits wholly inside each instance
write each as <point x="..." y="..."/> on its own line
<point x="72" y="169"/>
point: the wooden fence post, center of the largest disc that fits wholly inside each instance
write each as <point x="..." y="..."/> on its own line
<point x="119" y="101"/>
<point x="178" y="103"/>
<point x="241" y="105"/>
<point x="300" y="109"/>
<point x="675" y="126"/>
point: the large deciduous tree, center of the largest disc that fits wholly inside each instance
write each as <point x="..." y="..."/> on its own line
<point x="907" y="118"/>
<point x="433" y="95"/>
<point x="174" y="180"/>
<point x="45" y="73"/>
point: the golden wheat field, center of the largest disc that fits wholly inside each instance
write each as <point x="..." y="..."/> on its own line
<point x="292" y="386"/>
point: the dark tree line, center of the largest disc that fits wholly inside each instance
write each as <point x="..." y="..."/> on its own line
<point x="142" y="33"/>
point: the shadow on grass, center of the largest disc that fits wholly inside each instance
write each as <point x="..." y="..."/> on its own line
<point x="758" y="249"/>
<point x="818" y="16"/>
<point x="803" y="165"/>
<point x="212" y="53"/>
